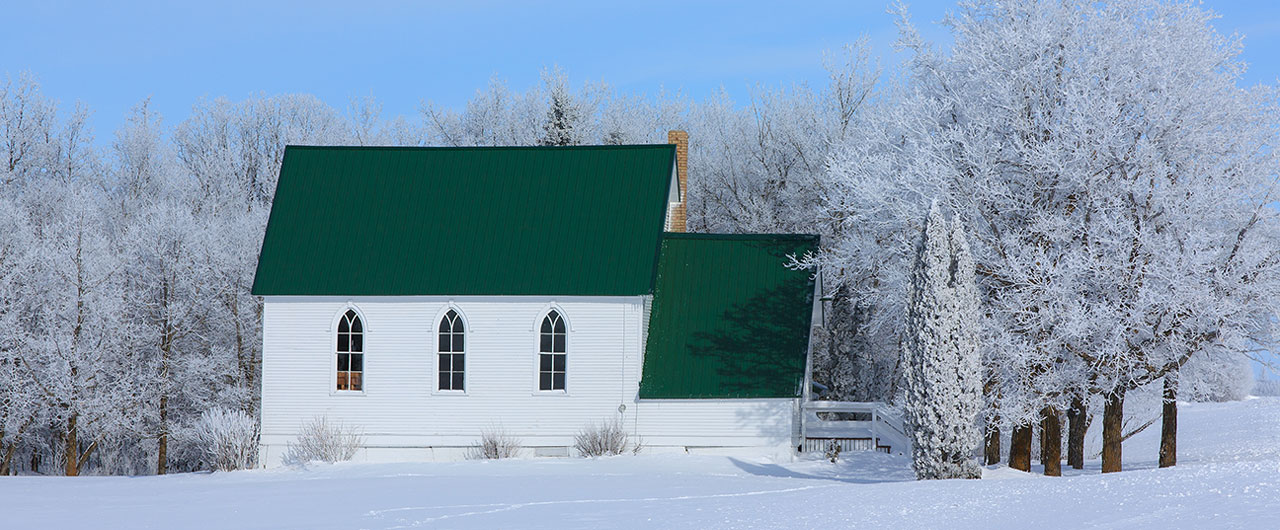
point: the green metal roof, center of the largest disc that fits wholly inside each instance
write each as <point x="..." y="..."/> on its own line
<point x="730" y="319"/>
<point x="583" y="220"/>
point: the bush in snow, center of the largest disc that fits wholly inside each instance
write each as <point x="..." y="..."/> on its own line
<point x="606" y="438"/>
<point x="833" y="451"/>
<point x="494" y="444"/>
<point x="1266" y="387"/>
<point x="942" y="369"/>
<point x="322" y="441"/>
<point x="228" y="439"/>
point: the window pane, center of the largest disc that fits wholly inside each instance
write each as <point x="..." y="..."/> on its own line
<point x="544" y="381"/>
<point x="559" y="363"/>
<point x="559" y="346"/>
<point x="444" y="324"/>
<point x="344" y="362"/>
<point x="357" y="362"/>
<point x="544" y="363"/>
<point x="344" y="342"/>
<point x="457" y="342"/>
<point x="558" y="382"/>
<point x="343" y="326"/>
<point x="357" y="342"/>
<point x="356" y="381"/>
<point x="546" y="324"/>
<point x="458" y="362"/>
<point x="559" y="324"/>
<point x="457" y="381"/>
<point x="355" y="323"/>
<point x="545" y="343"/>
<point x="342" y="380"/>
<point x="444" y="381"/>
<point x="444" y="342"/>
<point x="457" y="324"/>
<point x="444" y="362"/>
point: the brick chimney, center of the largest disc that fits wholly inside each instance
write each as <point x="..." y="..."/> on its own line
<point x="677" y="211"/>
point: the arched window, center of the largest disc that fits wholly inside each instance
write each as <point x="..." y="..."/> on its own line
<point x="451" y="352"/>
<point x="350" y="352"/>
<point x="551" y="354"/>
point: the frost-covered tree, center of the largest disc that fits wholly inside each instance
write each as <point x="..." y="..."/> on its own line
<point x="75" y="333"/>
<point x="27" y="125"/>
<point x="1119" y="187"/>
<point x="1218" y="376"/>
<point x="565" y="116"/>
<point x="21" y="408"/>
<point x="496" y="115"/>
<point x="234" y="149"/>
<point x="941" y="365"/>
<point x="552" y="114"/>
<point x="758" y="166"/>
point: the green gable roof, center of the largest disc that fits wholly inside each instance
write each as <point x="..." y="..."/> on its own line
<point x="466" y="221"/>
<point x="729" y="319"/>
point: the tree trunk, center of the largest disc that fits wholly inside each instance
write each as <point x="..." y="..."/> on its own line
<point x="1112" y="431"/>
<point x="162" y="456"/>
<point x="992" y="445"/>
<point x="1051" y="441"/>
<point x="1020" y="448"/>
<point x="166" y="346"/>
<point x="1169" y="423"/>
<point x="8" y="458"/>
<point x="6" y="466"/>
<point x="71" y="450"/>
<point x="1078" y="425"/>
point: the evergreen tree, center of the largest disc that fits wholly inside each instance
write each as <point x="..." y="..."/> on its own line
<point x="942" y="368"/>
<point x="564" y="116"/>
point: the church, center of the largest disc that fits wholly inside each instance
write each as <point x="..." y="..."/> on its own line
<point x="424" y="295"/>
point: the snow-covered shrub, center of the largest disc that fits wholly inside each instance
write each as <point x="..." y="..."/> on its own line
<point x="1266" y="387"/>
<point x="322" y="441"/>
<point x="605" y="438"/>
<point x="228" y="439"/>
<point x="494" y="444"/>
<point x="942" y="369"/>
<point x="833" y="451"/>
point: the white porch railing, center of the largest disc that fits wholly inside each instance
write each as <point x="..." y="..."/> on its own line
<point x="854" y="426"/>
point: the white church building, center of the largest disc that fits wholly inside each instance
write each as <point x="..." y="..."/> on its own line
<point x="426" y="295"/>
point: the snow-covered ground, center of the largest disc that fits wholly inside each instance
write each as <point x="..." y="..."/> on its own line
<point x="1228" y="477"/>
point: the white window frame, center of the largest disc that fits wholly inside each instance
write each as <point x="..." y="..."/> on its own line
<point x="466" y="348"/>
<point x="333" y="352"/>
<point x="537" y="351"/>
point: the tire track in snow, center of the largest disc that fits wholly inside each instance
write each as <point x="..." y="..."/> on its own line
<point x="506" y="507"/>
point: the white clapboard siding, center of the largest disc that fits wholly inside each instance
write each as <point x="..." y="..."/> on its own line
<point x="403" y="417"/>
<point x="717" y="422"/>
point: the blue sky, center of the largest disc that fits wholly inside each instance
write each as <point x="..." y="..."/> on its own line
<point x="112" y="55"/>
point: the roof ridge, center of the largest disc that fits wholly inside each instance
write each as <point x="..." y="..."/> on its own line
<point x="591" y="147"/>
